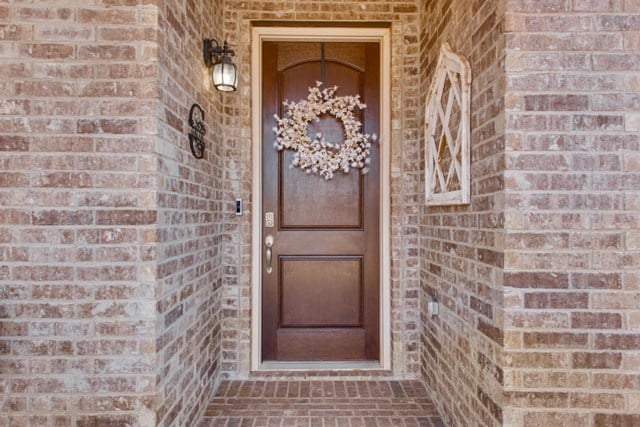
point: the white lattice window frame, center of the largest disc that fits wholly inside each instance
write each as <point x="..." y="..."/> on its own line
<point x="457" y="70"/>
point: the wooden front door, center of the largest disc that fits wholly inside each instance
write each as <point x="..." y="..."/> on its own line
<point x="320" y="301"/>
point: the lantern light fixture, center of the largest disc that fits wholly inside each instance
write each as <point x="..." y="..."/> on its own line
<point x="224" y="73"/>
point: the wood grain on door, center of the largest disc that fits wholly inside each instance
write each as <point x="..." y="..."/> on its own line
<point x="321" y="300"/>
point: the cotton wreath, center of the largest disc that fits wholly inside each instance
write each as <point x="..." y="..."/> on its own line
<point x="314" y="154"/>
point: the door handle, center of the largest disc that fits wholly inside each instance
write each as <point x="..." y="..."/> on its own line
<point x="268" y="242"/>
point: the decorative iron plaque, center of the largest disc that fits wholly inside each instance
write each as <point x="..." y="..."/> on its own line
<point x="196" y="135"/>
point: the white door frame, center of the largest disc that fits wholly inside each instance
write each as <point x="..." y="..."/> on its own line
<point x="326" y="34"/>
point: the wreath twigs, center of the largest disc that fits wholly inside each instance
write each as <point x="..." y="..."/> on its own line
<point x="314" y="154"/>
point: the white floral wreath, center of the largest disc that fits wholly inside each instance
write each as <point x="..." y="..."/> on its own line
<point x="317" y="155"/>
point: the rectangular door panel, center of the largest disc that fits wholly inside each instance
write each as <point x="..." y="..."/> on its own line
<point x="321" y="344"/>
<point x="321" y="292"/>
<point x="309" y="202"/>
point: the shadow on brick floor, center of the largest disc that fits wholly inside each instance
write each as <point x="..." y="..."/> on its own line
<point x="321" y="403"/>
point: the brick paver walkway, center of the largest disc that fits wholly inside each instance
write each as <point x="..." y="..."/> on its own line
<point x="321" y="403"/>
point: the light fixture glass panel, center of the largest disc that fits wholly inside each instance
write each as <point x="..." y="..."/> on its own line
<point x="225" y="75"/>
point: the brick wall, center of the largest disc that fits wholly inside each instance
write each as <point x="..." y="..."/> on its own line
<point x="405" y="179"/>
<point x="558" y="343"/>
<point x="125" y="277"/>
<point x="77" y="213"/>
<point x="461" y="247"/>
<point x="110" y="243"/>
<point x="572" y="260"/>
<point x="190" y="218"/>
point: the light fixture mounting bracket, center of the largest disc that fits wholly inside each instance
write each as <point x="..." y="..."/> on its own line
<point x="212" y="51"/>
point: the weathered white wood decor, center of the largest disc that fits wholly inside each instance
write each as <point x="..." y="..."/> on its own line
<point x="448" y="135"/>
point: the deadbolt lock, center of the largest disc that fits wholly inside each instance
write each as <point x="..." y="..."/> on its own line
<point x="269" y="220"/>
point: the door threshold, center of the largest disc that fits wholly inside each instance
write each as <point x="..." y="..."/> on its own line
<point x="321" y="366"/>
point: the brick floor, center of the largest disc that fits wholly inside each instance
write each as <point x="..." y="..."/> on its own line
<point x="321" y="403"/>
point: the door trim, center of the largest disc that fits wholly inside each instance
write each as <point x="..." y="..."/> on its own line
<point x="327" y="34"/>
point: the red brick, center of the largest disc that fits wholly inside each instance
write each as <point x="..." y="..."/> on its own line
<point x="8" y="329"/>
<point x="9" y="179"/>
<point x="541" y="399"/>
<point x="584" y="360"/>
<point x="15" y="32"/>
<point x="43" y="273"/>
<point x="556" y="102"/>
<point x="540" y="6"/>
<point x="481" y="307"/>
<point x="625" y="22"/>
<point x="596" y="281"/>
<point x="597" y="400"/>
<point x="107" y="16"/>
<point x="609" y="419"/>
<point x="488" y="256"/>
<point x="595" y="6"/>
<point x="555" y="340"/>
<point x="126" y="34"/>
<point x="14" y="217"/>
<point x="580" y="320"/>
<point x="107" y="52"/>
<point x="125" y="71"/>
<point x="41" y="13"/>
<point x="104" y="274"/>
<point x="61" y="34"/>
<point x="125" y="217"/>
<point x="617" y="341"/>
<point x="108" y="126"/>
<point x="36" y="125"/>
<point x="38" y="88"/>
<point x="106" y="420"/>
<point x="490" y="331"/>
<point x="616" y="381"/>
<point x="567" y="300"/>
<point x="538" y="320"/>
<point x="62" y="217"/>
<point x="492" y="407"/>
<point x="64" y="180"/>
<point x="616" y="61"/>
<point x="543" y="280"/>
<point x="48" y="51"/>
<point x="107" y="89"/>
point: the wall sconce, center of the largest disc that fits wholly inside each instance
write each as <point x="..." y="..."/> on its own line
<point x="224" y="73"/>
